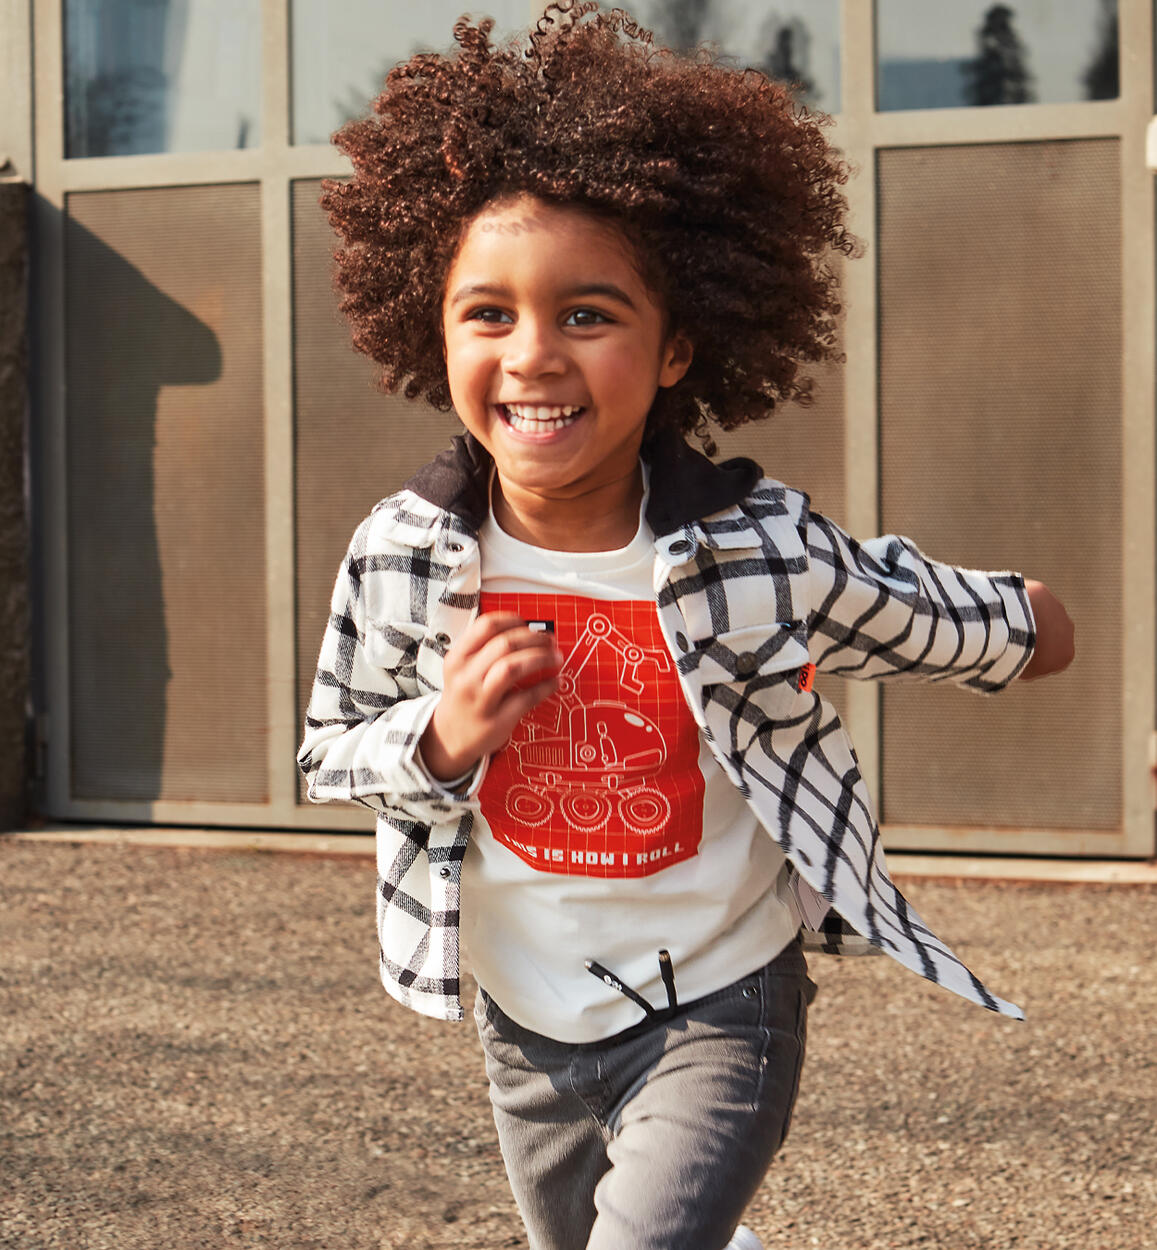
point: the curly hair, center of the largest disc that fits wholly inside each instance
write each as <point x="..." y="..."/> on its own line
<point x="727" y="190"/>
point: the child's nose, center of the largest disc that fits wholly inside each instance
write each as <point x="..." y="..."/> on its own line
<point x="533" y="349"/>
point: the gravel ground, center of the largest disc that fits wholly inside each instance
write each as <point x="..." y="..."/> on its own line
<point x="196" y="1052"/>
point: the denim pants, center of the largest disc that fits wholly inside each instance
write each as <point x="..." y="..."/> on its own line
<point x="656" y="1138"/>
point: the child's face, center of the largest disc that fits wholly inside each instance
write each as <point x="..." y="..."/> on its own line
<point x="555" y="348"/>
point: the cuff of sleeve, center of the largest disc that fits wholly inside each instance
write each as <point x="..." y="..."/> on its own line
<point x="1021" y="633"/>
<point x="463" y="787"/>
<point x="377" y="763"/>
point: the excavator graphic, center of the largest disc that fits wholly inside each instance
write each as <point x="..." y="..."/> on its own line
<point x="593" y="759"/>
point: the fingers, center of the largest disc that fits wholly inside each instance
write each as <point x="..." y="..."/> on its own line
<point x="525" y="700"/>
<point x="450" y="752"/>
<point x="499" y="655"/>
<point x="493" y="675"/>
<point x="493" y="627"/>
<point x="510" y="663"/>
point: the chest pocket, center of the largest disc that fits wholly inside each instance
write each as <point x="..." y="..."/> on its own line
<point x="741" y="572"/>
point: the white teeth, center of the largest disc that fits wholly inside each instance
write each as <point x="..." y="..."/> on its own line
<point x="539" y="412"/>
<point x="538" y="418"/>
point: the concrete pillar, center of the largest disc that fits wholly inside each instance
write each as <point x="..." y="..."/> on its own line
<point x="14" y="628"/>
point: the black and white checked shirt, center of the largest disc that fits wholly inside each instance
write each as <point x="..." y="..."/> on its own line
<point x="750" y="587"/>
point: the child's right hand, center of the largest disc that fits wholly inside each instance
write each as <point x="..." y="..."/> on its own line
<point x="492" y="676"/>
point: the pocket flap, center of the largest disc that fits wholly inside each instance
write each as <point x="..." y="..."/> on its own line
<point x="751" y="652"/>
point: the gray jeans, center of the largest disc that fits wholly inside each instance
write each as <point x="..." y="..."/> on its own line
<point x="658" y="1137"/>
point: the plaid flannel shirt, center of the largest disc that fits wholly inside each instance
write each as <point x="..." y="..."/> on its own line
<point x="750" y="586"/>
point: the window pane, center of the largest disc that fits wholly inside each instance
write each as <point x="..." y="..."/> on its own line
<point x="1000" y="328"/>
<point x="342" y="52"/>
<point x="974" y="52"/>
<point x="166" y="519"/>
<point x="161" y="76"/>
<point x="794" y="41"/>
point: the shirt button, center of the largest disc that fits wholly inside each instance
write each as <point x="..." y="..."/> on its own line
<point x="746" y="663"/>
<point x="681" y="547"/>
<point x="749" y="991"/>
<point x="681" y="641"/>
<point x="443" y="640"/>
<point x="445" y="872"/>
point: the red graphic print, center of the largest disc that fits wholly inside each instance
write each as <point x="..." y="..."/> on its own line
<point x="603" y="779"/>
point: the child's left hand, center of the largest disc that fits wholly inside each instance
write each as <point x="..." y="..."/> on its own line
<point x="1054" y="633"/>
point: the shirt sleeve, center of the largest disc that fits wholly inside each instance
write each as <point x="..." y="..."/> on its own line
<point x="367" y="713"/>
<point x="881" y="609"/>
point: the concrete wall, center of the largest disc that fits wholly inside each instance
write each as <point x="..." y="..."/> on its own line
<point x="14" y="637"/>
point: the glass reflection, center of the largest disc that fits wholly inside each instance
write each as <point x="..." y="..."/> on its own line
<point x="977" y="53"/>
<point x="342" y="52"/>
<point x="161" y="76"/>
<point x="795" y="43"/>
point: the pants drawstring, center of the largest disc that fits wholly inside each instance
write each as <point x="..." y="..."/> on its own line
<point x="666" y="971"/>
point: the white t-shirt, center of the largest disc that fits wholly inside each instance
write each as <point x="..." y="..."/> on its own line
<point x="608" y="832"/>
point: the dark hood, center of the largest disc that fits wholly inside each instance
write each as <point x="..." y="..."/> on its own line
<point x="684" y="485"/>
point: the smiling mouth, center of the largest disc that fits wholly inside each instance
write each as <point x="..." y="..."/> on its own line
<point x="539" y="418"/>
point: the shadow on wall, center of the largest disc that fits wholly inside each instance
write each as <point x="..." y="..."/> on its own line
<point x="125" y="340"/>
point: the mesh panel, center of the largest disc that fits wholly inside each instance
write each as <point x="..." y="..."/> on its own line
<point x="166" y="519"/>
<point x="1000" y="423"/>
<point x="354" y="444"/>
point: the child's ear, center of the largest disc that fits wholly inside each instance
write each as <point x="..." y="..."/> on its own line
<point x="677" y="354"/>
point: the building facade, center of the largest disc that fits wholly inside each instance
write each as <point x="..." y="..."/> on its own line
<point x="203" y="440"/>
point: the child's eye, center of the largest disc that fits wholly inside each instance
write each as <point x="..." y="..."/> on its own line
<point x="494" y="316"/>
<point x="587" y="317"/>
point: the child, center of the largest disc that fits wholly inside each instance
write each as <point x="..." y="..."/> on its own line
<point x="570" y="663"/>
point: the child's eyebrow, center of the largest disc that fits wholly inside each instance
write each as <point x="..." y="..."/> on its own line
<point x="477" y="288"/>
<point x="607" y="289"/>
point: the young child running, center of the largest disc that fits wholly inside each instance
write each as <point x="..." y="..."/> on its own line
<point x="570" y="664"/>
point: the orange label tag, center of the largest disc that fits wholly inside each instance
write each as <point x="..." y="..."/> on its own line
<point x="807" y="676"/>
